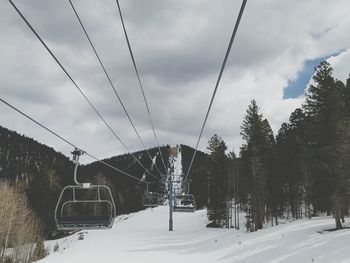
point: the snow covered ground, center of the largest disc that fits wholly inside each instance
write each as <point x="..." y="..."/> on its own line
<point x="144" y="237"/>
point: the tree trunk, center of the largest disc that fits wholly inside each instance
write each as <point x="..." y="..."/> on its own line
<point x="6" y="240"/>
<point x="337" y="216"/>
<point x="338" y="224"/>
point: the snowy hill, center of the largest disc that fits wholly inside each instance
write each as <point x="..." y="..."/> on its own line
<point x="144" y="237"/>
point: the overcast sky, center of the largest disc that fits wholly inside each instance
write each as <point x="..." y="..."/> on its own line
<point x="179" y="47"/>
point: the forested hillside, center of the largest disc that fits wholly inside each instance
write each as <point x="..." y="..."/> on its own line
<point x="21" y="158"/>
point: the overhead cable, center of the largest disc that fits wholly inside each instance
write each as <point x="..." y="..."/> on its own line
<point x="140" y="83"/>
<point x="217" y="82"/>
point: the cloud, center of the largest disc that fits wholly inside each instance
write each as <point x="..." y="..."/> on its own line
<point x="179" y="47"/>
<point x="340" y="64"/>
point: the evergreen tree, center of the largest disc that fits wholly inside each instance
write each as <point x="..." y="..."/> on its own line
<point x="274" y="181"/>
<point x="258" y="158"/>
<point x="324" y="108"/>
<point x="347" y="98"/>
<point x="217" y="182"/>
<point x="290" y="149"/>
<point x="232" y="165"/>
<point x="43" y="192"/>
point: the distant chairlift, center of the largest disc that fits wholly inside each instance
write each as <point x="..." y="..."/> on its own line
<point x="84" y="206"/>
<point x="184" y="202"/>
<point x="150" y="199"/>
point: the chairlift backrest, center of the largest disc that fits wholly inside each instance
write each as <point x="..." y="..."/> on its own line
<point x="84" y="206"/>
<point x="80" y="208"/>
<point x="184" y="203"/>
<point x="151" y="199"/>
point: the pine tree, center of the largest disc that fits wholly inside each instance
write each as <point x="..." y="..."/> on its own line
<point x="347" y="98"/>
<point x="217" y="181"/>
<point x="291" y="161"/>
<point x="232" y="175"/>
<point x="257" y="158"/>
<point x="324" y="108"/>
<point x="43" y="192"/>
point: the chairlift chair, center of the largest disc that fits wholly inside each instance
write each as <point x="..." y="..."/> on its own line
<point x="84" y="206"/>
<point x="150" y="199"/>
<point x="184" y="203"/>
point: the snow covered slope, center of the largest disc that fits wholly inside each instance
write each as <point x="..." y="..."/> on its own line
<point x="143" y="237"/>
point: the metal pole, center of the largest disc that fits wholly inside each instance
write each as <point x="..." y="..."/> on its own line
<point x="237" y="215"/>
<point x="233" y="170"/>
<point x="235" y="209"/>
<point x="170" y="204"/>
<point x="231" y="219"/>
<point x="229" y="208"/>
<point x="236" y="201"/>
<point x="228" y="213"/>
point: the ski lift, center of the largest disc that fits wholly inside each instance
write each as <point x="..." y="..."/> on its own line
<point x="150" y="199"/>
<point x="184" y="202"/>
<point x="84" y="206"/>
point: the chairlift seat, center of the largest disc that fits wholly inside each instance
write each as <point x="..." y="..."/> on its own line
<point x="84" y="222"/>
<point x="190" y="209"/>
<point x="151" y="199"/>
<point x="184" y="203"/>
<point x="75" y="212"/>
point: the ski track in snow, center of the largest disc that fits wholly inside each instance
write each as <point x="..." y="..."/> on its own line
<point x="144" y="237"/>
